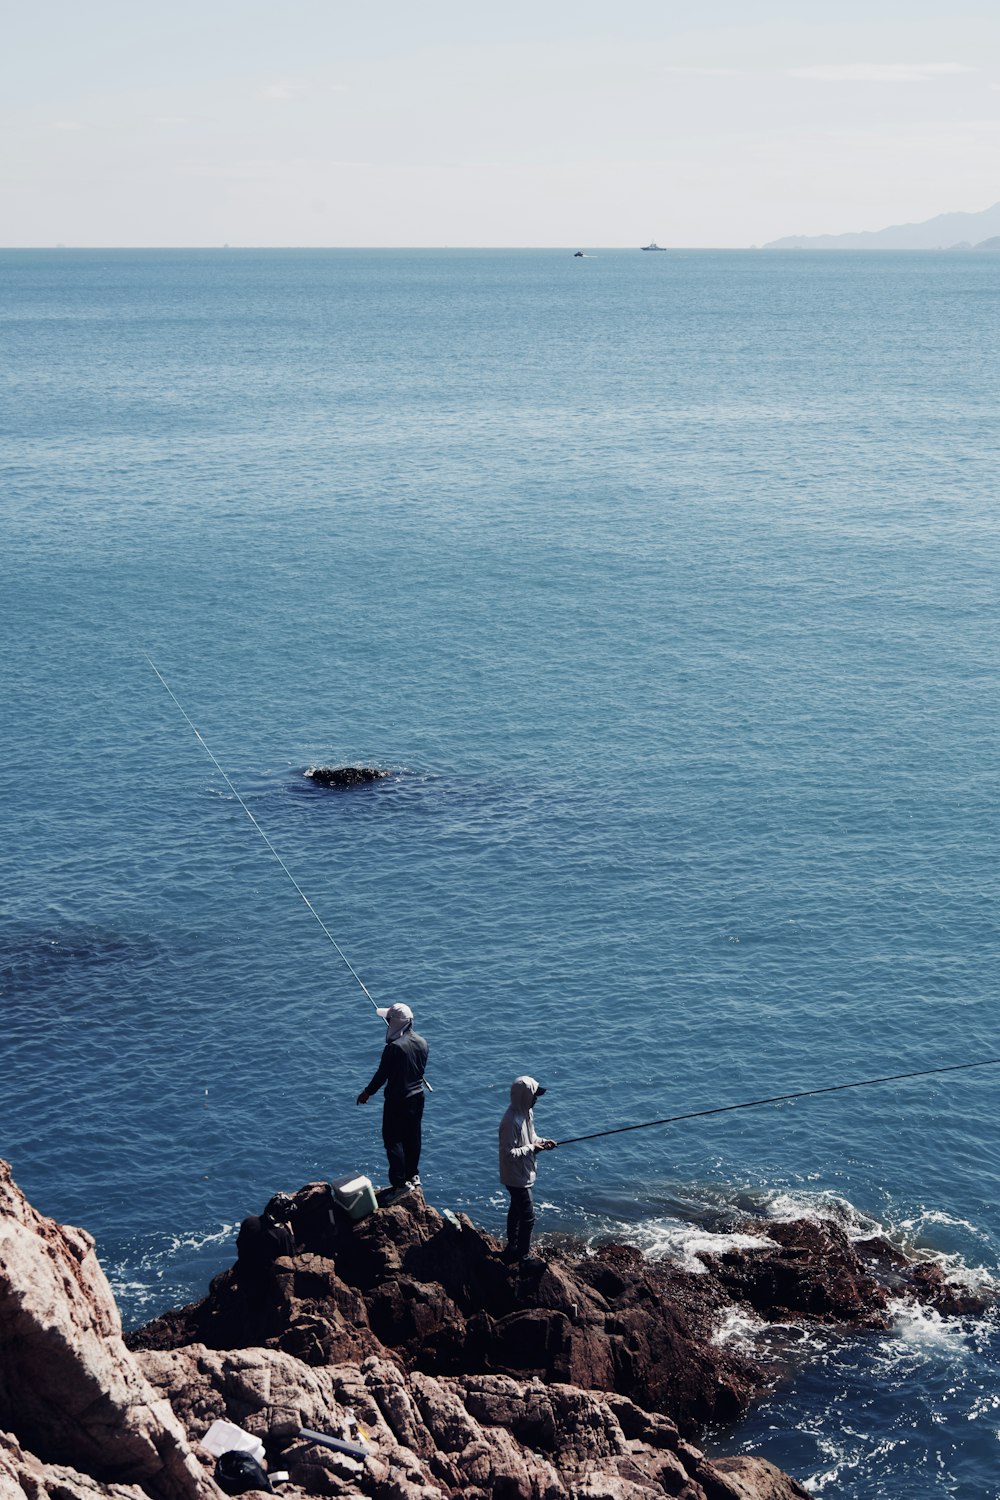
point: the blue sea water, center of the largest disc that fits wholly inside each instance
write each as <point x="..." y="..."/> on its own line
<point x="666" y="589"/>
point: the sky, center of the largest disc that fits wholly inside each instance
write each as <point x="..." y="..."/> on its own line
<point x="457" y="123"/>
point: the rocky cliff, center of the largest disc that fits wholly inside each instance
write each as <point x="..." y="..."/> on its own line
<point x="582" y="1378"/>
<point x="79" y="1416"/>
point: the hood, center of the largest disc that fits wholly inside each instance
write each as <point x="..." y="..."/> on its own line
<point x="280" y="1208"/>
<point x="398" y="1019"/>
<point x="523" y="1093"/>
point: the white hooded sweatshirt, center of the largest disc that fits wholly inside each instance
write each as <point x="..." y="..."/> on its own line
<point x="517" y="1135"/>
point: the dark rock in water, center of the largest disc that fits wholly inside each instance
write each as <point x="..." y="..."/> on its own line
<point x="341" y="776"/>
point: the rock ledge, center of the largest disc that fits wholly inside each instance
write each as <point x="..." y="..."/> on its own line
<point x="583" y="1378"/>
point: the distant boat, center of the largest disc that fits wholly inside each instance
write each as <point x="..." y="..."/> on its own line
<point x="652" y="246"/>
<point x="579" y="255"/>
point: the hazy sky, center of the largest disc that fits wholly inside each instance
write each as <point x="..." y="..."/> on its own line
<point x="453" y="122"/>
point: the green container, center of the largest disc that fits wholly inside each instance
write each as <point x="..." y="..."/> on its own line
<point x="356" y="1196"/>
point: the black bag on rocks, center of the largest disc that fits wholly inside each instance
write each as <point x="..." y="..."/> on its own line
<point x="237" y="1472"/>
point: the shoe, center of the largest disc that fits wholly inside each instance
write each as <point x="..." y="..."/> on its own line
<point x="531" y="1263"/>
<point x="386" y="1197"/>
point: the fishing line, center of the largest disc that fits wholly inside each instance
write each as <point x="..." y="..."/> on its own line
<point x="834" y="1088"/>
<point x="260" y="830"/>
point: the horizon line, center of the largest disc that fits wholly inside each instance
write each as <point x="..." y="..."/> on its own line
<point x="783" y="248"/>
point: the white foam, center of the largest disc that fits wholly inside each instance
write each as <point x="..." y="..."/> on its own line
<point x="738" y="1328"/>
<point x="201" y="1241"/>
<point x="857" y="1225"/>
<point x="977" y="1279"/>
<point x="123" y="1288"/>
<point x="965" y="1277"/>
<point x="925" y="1330"/>
<point x="982" y="1406"/>
<point x="683" y="1244"/>
<point x="917" y="1222"/>
<point x="822" y="1206"/>
<point x="846" y="1465"/>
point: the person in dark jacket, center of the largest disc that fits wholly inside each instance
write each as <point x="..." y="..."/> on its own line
<point x="401" y="1070"/>
<point x="263" y="1239"/>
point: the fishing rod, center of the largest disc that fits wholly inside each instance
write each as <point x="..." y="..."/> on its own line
<point x="834" y="1088"/>
<point x="267" y="841"/>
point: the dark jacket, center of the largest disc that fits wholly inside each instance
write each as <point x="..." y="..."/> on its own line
<point x="401" y="1068"/>
<point x="260" y="1242"/>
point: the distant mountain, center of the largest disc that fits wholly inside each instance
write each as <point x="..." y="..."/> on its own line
<point x="945" y="232"/>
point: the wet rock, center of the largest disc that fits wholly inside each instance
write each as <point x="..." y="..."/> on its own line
<point x="344" y="776"/>
<point x="814" y="1272"/>
<point x="946" y="1296"/>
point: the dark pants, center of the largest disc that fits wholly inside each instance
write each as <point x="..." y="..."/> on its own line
<point x="520" y="1222"/>
<point x="401" y="1137"/>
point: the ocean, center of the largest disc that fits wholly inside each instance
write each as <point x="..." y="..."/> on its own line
<point x="665" y="589"/>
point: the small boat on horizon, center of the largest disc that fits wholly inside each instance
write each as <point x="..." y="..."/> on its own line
<point x="653" y="246"/>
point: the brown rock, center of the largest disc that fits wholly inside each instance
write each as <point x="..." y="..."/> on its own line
<point x="408" y="1284"/>
<point x="21" y="1474"/>
<point x="69" y="1389"/>
<point x="948" y="1297"/>
<point x="436" y="1295"/>
<point x="756" y="1479"/>
<point x="479" y="1435"/>
<point x="264" y="1391"/>
<point x="816" y="1273"/>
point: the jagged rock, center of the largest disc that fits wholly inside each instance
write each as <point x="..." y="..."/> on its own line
<point x="22" y="1474"/>
<point x="482" y="1436"/>
<point x="815" y="1272"/>
<point x="342" y="776"/>
<point x="70" y="1391"/>
<point x="580" y="1379"/>
<point x="407" y="1283"/>
<point x="555" y="1385"/>
<point x="947" y="1297"/>
<point x="756" y="1479"/>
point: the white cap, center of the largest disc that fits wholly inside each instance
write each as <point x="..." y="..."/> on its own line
<point x="398" y="1018"/>
<point x="395" y="1012"/>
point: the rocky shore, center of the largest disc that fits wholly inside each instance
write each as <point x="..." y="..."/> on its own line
<point x="585" y="1377"/>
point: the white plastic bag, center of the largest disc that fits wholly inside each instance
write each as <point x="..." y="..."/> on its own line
<point x="226" y="1437"/>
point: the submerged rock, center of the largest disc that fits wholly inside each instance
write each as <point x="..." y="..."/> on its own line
<point x="343" y="776"/>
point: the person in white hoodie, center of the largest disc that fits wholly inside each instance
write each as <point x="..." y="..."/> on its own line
<point x="519" y="1145"/>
